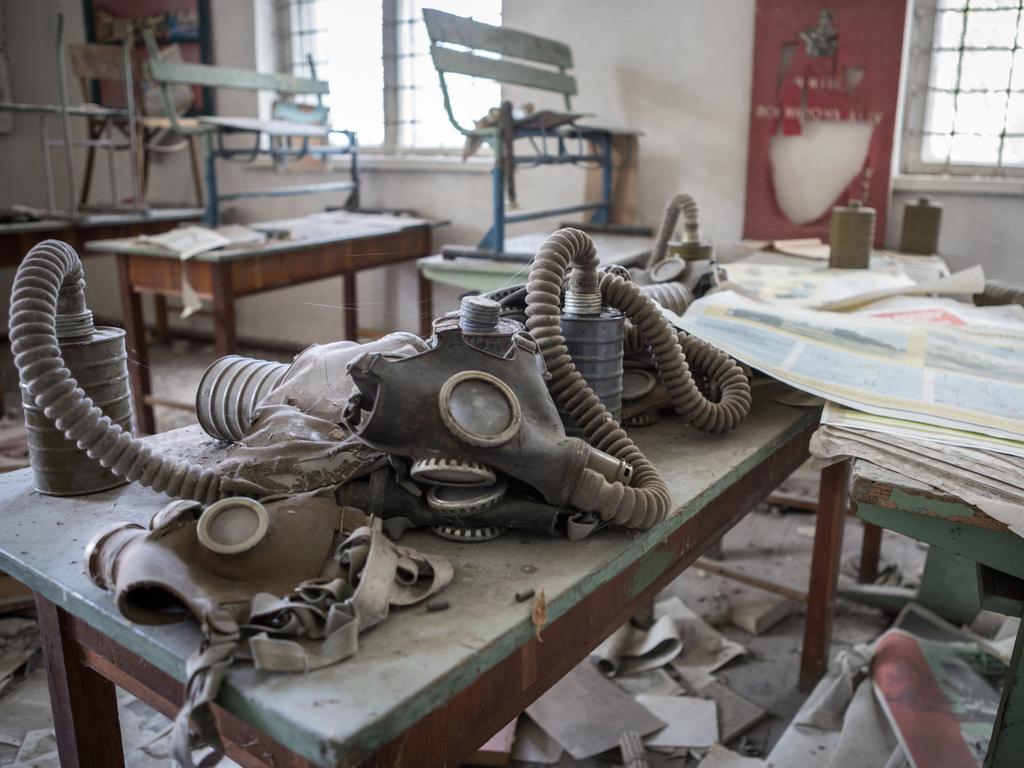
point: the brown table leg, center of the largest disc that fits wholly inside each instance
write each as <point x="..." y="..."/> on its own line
<point x="225" y="339"/>
<point x="138" y="355"/>
<point x="348" y="304"/>
<point x="828" y="553"/>
<point x="84" y="702"/>
<point x="163" y="333"/>
<point x="870" y="552"/>
<point x="426" y="304"/>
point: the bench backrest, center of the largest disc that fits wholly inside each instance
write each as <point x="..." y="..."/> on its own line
<point x="446" y="30"/>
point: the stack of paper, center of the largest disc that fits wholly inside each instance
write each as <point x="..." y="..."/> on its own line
<point x="929" y="387"/>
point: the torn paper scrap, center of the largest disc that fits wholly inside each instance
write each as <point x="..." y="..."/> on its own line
<point x="631" y="649"/>
<point x="704" y="649"/>
<point x="587" y="713"/>
<point x="720" y="757"/>
<point x="656" y="682"/>
<point x="691" y="722"/>
<point x="533" y="745"/>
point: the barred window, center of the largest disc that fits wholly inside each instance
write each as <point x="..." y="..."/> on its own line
<point x="375" y="54"/>
<point x="965" y="94"/>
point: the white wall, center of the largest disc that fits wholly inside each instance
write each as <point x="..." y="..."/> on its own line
<point x="679" y="70"/>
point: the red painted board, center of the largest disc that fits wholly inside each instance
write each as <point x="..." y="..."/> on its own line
<point x="917" y="708"/>
<point x="822" y="68"/>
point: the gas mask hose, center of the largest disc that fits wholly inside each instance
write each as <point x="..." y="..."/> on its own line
<point x="681" y="203"/>
<point x="998" y="292"/>
<point x="646" y="502"/>
<point x="50" y="280"/>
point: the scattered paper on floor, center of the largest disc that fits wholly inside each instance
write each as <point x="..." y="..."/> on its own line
<point x="704" y="648"/>
<point x="587" y="713"/>
<point x="691" y="722"/>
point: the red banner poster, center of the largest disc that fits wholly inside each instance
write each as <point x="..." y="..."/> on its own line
<point x="823" y="113"/>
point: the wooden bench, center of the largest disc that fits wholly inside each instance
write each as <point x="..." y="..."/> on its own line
<point x="306" y="125"/>
<point x="546" y="69"/>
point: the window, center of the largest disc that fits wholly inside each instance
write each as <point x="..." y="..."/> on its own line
<point x="965" y="95"/>
<point x="376" y="56"/>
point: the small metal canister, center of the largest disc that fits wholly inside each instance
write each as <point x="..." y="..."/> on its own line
<point x="595" y="343"/>
<point x="99" y="363"/>
<point x="922" y="221"/>
<point x="851" y="232"/>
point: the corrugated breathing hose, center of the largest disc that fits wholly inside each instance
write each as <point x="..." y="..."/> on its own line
<point x="682" y="203"/>
<point x="1000" y="292"/>
<point x="50" y="279"/>
<point x="646" y="502"/>
<point x="726" y="382"/>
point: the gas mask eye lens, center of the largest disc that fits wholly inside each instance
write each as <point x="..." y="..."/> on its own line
<point x="479" y="409"/>
<point x="233" y="526"/>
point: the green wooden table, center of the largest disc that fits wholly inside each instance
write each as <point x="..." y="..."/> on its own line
<point x="425" y="688"/>
<point x="890" y="500"/>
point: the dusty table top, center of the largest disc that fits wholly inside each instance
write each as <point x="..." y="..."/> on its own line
<point x="292" y="234"/>
<point x="102" y="219"/>
<point x="415" y="660"/>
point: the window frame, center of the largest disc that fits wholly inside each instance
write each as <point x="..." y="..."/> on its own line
<point x="392" y="22"/>
<point x="919" y="65"/>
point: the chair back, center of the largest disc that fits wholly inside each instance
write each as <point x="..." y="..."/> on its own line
<point x="455" y="42"/>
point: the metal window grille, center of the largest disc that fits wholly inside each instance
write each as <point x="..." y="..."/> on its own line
<point x="965" y="95"/>
<point x="413" y="113"/>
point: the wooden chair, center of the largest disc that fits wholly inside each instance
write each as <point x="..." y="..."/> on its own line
<point x="282" y="132"/>
<point x="546" y="68"/>
<point x="95" y="63"/>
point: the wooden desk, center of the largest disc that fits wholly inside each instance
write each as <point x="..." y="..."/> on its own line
<point x="17" y="239"/>
<point x="224" y="275"/>
<point x="485" y="275"/>
<point x="890" y="500"/>
<point x="425" y="689"/>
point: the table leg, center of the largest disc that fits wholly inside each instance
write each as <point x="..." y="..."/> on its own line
<point x="163" y="333"/>
<point x="84" y="702"/>
<point x="138" y="354"/>
<point x="1007" y="744"/>
<point x="225" y="339"/>
<point x="870" y="552"/>
<point x="349" y="303"/>
<point x="828" y="553"/>
<point x="426" y="304"/>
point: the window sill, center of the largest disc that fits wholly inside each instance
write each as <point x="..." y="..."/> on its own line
<point x="414" y="163"/>
<point x="960" y="185"/>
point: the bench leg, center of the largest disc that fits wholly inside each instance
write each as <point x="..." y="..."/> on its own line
<point x="828" y="553"/>
<point x="84" y="702"/>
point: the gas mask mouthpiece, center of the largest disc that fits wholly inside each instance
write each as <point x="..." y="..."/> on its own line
<point x="473" y="404"/>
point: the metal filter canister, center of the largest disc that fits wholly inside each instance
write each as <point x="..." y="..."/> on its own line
<point x="922" y="221"/>
<point x="99" y="363"/>
<point x="595" y="343"/>
<point x="851" y="232"/>
<point x="229" y="391"/>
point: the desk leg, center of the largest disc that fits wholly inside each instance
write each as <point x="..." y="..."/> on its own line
<point x="828" y="553"/>
<point x="426" y="304"/>
<point x="870" y="552"/>
<point x="349" y="301"/>
<point x="1007" y="744"/>
<point x="225" y="339"/>
<point x="138" y="354"/>
<point x="84" y="702"/>
<point x="163" y="333"/>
